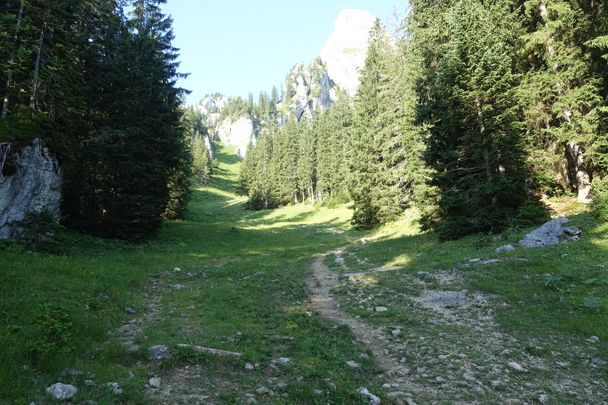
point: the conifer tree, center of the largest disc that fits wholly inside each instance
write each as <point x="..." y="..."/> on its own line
<point x="364" y="156"/>
<point x="563" y="93"/>
<point x="475" y="145"/>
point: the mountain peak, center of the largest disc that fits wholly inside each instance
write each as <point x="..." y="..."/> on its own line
<point x="346" y="50"/>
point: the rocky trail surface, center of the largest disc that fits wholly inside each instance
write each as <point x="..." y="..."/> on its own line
<point x="450" y="349"/>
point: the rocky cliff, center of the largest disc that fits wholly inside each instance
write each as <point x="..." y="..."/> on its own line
<point x="34" y="185"/>
<point x="237" y="132"/>
<point x="345" y="52"/>
<point x="309" y="88"/>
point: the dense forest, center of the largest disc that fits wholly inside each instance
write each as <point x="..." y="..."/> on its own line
<point x="473" y="114"/>
<point x="98" y="86"/>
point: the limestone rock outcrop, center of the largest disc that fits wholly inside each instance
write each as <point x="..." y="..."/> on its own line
<point x="34" y="185"/>
<point x="309" y="88"/>
<point x="345" y="52"/>
<point x="239" y="132"/>
<point x="550" y="233"/>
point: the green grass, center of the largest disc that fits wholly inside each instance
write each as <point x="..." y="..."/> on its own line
<point x="223" y="246"/>
<point x="246" y="292"/>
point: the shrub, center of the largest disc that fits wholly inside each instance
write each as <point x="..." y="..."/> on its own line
<point x="599" y="204"/>
<point x="38" y="231"/>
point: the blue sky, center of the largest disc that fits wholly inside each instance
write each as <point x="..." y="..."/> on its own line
<point x="237" y="46"/>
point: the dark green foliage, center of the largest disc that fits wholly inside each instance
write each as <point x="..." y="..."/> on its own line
<point x="469" y="100"/>
<point x="599" y="205"/>
<point x="39" y="231"/>
<point x="99" y="88"/>
<point x="47" y="334"/>
<point x="564" y="92"/>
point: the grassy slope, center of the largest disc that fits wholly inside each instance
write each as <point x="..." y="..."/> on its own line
<point x="248" y="277"/>
<point x="222" y="245"/>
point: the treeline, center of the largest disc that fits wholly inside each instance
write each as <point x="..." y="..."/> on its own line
<point x="100" y="88"/>
<point x="480" y="108"/>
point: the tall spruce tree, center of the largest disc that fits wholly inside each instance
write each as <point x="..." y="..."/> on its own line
<point x="563" y="94"/>
<point x="364" y="152"/>
<point x="469" y="99"/>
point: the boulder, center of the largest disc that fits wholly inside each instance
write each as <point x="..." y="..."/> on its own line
<point x="61" y="391"/>
<point x="550" y="233"/>
<point x="159" y="352"/>
<point x="34" y="186"/>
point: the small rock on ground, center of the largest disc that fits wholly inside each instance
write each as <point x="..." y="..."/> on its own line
<point x="154" y="382"/>
<point x="373" y="399"/>
<point x="114" y="388"/>
<point x="506" y="248"/>
<point x="381" y="309"/>
<point x="61" y="391"/>
<point x="159" y="352"/>
<point x="352" y="364"/>
<point x="516" y="366"/>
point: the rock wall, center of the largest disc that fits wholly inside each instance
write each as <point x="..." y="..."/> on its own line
<point x="346" y="50"/>
<point x="35" y="186"/>
<point x="309" y="89"/>
<point x="238" y="133"/>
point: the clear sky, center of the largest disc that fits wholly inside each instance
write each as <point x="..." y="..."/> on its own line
<point x="237" y="46"/>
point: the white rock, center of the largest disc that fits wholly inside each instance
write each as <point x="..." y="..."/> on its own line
<point x="154" y="382"/>
<point x="469" y="376"/>
<point x="238" y="133"/>
<point x="114" y="388"/>
<point x="352" y="364"/>
<point x="373" y="399"/>
<point x="543" y="399"/>
<point x="381" y="309"/>
<point x="593" y="339"/>
<point x="249" y="366"/>
<point x="61" y="391"/>
<point x="282" y="360"/>
<point x="550" y="233"/>
<point x="516" y="366"/>
<point x="506" y="248"/>
<point x="35" y="186"/>
<point x="159" y="352"/>
<point x="264" y="391"/>
<point x="346" y="50"/>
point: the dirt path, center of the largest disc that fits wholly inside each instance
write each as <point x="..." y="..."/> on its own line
<point x="395" y="372"/>
<point x="453" y="348"/>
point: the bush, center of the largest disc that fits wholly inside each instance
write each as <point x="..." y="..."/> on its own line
<point x="38" y="231"/>
<point x="599" y="204"/>
<point x="531" y="212"/>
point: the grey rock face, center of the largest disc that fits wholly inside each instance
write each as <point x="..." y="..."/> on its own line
<point x="35" y="186"/>
<point x="309" y="89"/>
<point x="346" y="50"/>
<point x="238" y="133"/>
<point x="550" y="233"/>
<point x="61" y="391"/>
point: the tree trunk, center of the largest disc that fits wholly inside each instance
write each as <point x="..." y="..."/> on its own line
<point x="581" y="174"/>
<point x="37" y="67"/>
<point x="9" y="81"/>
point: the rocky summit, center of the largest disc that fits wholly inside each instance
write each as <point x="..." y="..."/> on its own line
<point x="345" y="52"/>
